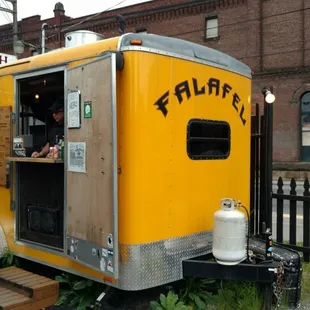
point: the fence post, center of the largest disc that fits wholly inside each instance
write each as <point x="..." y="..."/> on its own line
<point x="257" y="176"/>
<point x="262" y="176"/>
<point x="253" y="174"/>
<point x="293" y="224"/>
<point x="306" y="219"/>
<point x="280" y="212"/>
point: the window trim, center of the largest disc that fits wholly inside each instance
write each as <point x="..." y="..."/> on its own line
<point x="213" y="16"/>
<point x="207" y="157"/>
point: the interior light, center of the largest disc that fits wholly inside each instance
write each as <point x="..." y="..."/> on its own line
<point x="37" y="96"/>
<point x="44" y="82"/>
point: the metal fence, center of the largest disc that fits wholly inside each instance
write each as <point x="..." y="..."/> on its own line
<point x="292" y="199"/>
<point x="263" y="196"/>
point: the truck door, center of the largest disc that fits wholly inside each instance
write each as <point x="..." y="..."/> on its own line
<point x="91" y="165"/>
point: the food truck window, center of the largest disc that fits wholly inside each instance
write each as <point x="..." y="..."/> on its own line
<point x="37" y="94"/>
<point x="207" y="139"/>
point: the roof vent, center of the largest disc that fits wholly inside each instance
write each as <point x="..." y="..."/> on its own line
<point x="81" y="37"/>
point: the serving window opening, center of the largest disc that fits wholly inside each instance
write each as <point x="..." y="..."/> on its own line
<point x="38" y="153"/>
<point x="208" y="139"/>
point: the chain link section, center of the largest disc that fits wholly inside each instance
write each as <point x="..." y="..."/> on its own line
<point x="278" y="285"/>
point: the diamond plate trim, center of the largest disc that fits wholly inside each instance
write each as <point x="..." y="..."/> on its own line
<point x="148" y="265"/>
<point x="3" y="242"/>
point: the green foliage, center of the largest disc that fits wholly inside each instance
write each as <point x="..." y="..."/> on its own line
<point x="8" y="260"/>
<point x="239" y="296"/>
<point x="171" y="302"/>
<point x="196" y="293"/>
<point x="77" y="292"/>
<point x="305" y="285"/>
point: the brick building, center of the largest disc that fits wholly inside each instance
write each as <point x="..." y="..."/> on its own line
<point x="271" y="36"/>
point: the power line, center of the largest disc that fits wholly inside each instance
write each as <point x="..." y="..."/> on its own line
<point x="204" y="28"/>
<point x="235" y="51"/>
<point x="221" y="26"/>
<point x="6" y="17"/>
<point x="69" y="27"/>
<point x="5" y="14"/>
<point x="270" y="45"/>
<point x="14" y="13"/>
<point x="87" y="18"/>
<point x="176" y="34"/>
<point x="243" y="22"/>
<point x="93" y="16"/>
<point x="182" y="33"/>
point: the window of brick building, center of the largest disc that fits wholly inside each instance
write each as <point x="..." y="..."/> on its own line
<point x="305" y="126"/>
<point x="211" y="27"/>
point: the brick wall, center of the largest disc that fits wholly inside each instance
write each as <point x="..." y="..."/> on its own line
<point x="271" y="36"/>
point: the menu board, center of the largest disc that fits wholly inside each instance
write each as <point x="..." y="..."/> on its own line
<point x="5" y="140"/>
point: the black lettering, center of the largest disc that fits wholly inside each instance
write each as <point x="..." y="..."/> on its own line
<point x="226" y="90"/>
<point x="197" y="91"/>
<point x="235" y="101"/>
<point x="3" y="60"/>
<point x="180" y="89"/>
<point x="241" y="115"/>
<point x="214" y="83"/>
<point x="162" y="102"/>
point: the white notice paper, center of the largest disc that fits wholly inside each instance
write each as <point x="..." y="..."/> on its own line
<point x="74" y="109"/>
<point x="77" y="157"/>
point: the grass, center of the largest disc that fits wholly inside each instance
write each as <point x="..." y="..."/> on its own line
<point x="305" y="288"/>
<point x="239" y="296"/>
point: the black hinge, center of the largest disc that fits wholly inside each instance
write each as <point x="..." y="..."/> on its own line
<point x="13" y="117"/>
<point x="13" y="205"/>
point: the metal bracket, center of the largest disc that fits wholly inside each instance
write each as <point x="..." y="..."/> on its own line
<point x="263" y="273"/>
<point x="13" y="205"/>
<point x="13" y="117"/>
<point x="101" y="298"/>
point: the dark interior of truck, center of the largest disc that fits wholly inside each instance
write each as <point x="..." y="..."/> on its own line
<point x="40" y="201"/>
<point x="37" y="94"/>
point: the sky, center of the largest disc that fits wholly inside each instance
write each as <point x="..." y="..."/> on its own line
<point x="73" y="8"/>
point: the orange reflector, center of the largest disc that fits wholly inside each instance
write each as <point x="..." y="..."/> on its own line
<point x="135" y="42"/>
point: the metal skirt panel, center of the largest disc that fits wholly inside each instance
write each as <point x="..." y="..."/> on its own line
<point x="153" y="264"/>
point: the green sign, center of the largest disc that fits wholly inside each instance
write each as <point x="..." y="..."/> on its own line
<point x="88" y="112"/>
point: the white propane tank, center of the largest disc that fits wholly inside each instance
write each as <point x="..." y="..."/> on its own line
<point x="229" y="234"/>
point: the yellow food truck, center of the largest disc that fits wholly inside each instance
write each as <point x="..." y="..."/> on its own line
<point x="156" y="133"/>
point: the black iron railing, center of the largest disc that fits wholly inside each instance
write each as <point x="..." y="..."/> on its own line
<point x="292" y="208"/>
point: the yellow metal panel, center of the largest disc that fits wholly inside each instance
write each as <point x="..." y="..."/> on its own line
<point x="163" y="193"/>
<point x="60" y="56"/>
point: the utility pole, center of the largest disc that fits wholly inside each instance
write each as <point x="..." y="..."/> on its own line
<point x="15" y="24"/>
